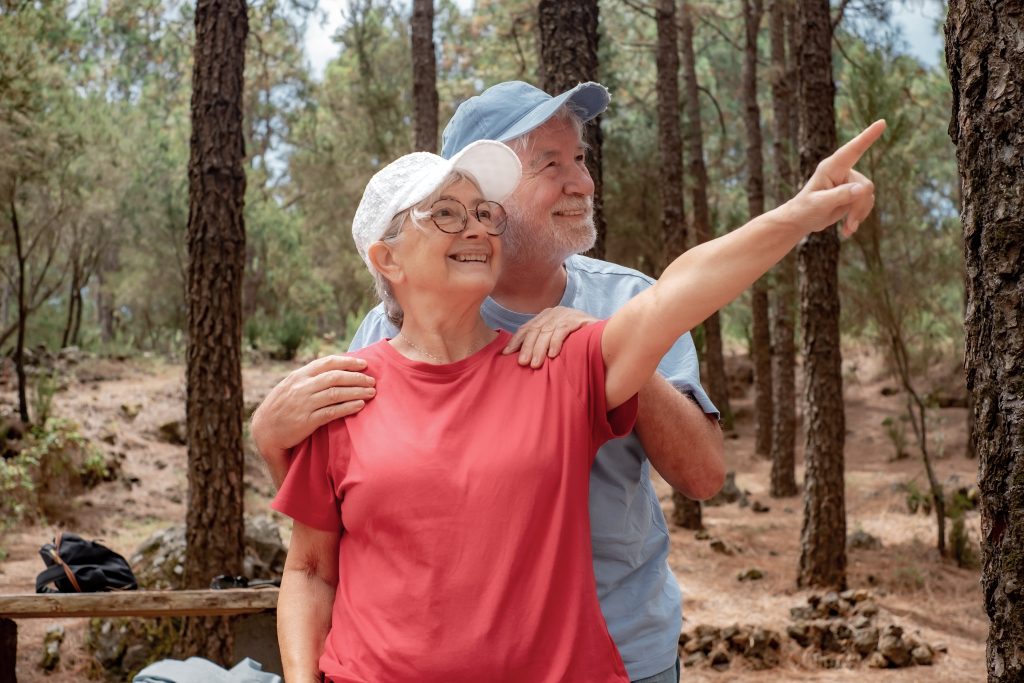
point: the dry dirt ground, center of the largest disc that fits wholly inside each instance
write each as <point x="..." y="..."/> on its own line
<point x="929" y="597"/>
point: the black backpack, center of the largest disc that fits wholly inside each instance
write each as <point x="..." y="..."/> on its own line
<point x="75" y="565"/>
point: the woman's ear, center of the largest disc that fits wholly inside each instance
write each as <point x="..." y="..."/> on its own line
<point x="384" y="262"/>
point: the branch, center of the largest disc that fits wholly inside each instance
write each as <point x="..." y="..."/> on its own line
<point x="839" y="14"/>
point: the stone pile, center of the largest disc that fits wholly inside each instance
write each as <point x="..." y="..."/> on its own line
<point x="831" y="631"/>
<point x="718" y="648"/>
<point x="841" y="630"/>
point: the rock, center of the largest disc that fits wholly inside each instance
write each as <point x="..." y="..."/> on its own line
<point x="861" y="621"/>
<point x="868" y="608"/>
<point x="760" y="507"/>
<point x="862" y="540"/>
<point x="922" y="655"/>
<point x="865" y="640"/>
<point x="136" y="657"/>
<point x="719" y="657"/>
<point x="877" y="661"/>
<point x="855" y="596"/>
<point x="702" y="535"/>
<point x="72" y="355"/>
<point x="51" y="647"/>
<point x="752" y="574"/>
<point x="730" y="493"/>
<point x="130" y="410"/>
<point x="941" y="647"/>
<point x="891" y="645"/>
<point x="694" y="659"/>
<point x="124" y="646"/>
<point x="830" y="605"/>
<point x="801" y="613"/>
<point x="107" y="642"/>
<point x="720" y="546"/>
<point x="173" y="432"/>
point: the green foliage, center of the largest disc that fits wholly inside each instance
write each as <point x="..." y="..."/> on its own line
<point x="55" y="462"/>
<point x="94" y="127"/>
<point x="917" y="499"/>
<point x="46" y="384"/>
<point x="896" y="430"/>
<point x="960" y="546"/>
<point x="290" y="333"/>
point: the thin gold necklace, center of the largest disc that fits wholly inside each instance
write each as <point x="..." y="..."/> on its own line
<point x="426" y="353"/>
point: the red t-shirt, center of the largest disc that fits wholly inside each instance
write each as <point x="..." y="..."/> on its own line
<point x="462" y="493"/>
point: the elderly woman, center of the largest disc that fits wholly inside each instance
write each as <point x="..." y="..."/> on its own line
<point x="442" y="533"/>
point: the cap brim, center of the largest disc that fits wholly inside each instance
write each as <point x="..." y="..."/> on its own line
<point x="588" y="100"/>
<point x="493" y="166"/>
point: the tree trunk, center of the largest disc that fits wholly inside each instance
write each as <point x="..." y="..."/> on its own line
<point x="686" y="513"/>
<point x="74" y="298"/>
<point x="424" y="76"/>
<point x="761" y="348"/>
<point x="823" y="537"/>
<point x="19" y="348"/>
<point x="568" y="56"/>
<point x="783" y="449"/>
<point x="985" y="58"/>
<point x="216" y="247"/>
<point x="670" y="146"/>
<point x="714" y="362"/>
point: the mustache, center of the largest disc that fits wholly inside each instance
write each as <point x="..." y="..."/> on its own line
<point x="583" y="204"/>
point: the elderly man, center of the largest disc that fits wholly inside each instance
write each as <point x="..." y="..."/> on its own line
<point x="550" y="224"/>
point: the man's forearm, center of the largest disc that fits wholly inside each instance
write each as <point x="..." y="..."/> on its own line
<point x="683" y="443"/>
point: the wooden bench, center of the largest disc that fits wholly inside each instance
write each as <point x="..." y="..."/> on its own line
<point x="190" y="603"/>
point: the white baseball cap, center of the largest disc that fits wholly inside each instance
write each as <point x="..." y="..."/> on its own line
<point x="410" y="179"/>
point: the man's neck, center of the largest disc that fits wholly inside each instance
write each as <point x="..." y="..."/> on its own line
<point x="530" y="288"/>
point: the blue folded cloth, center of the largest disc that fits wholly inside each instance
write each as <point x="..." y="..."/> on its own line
<point x="199" y="670"/>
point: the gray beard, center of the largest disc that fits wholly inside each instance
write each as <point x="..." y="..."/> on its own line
<point x="549" y="243"/>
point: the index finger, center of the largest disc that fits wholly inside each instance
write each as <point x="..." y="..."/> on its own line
<point x="335" y="362"/>
<point x="850" y="153"/>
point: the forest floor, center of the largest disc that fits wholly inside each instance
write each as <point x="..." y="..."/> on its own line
<point x="929" y="597"/>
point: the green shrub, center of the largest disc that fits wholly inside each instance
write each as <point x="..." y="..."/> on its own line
<point x="290" y="334"/>
<point x="54" y="463"/>
<point x="960" y="546"/>
<point x="896" y="430"/>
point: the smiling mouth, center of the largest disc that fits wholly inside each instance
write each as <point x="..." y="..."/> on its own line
<point x="469" y="258"/>
<point x="571" y="214"/>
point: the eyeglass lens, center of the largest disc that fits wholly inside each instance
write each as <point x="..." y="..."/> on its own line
<point x="451" y="216"/>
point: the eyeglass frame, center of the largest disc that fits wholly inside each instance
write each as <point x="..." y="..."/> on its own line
<point x="465" y="216"/>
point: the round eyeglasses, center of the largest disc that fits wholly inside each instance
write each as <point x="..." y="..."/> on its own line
<point x="452" y="216"/>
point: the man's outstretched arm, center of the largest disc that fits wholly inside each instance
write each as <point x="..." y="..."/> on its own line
<point x="318" y="392"/>
<point x="683" y="443"/>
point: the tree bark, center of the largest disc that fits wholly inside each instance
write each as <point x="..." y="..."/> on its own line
<point x="568" y="55"/>
<point x="783" y="447"/>
<point x="670" y="146"/>
<point x="686" y="513"/>
<point x="761" y="347"/>
<point x="714" y="361"/>
<point x="424" y="76"/>
<point x="823" y="536"/>
<point x="985" y="58"/>
<point x="216" y="247"/>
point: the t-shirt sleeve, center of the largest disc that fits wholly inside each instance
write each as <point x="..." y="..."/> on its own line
<point x="309" y="493"/>
<point x="681" y="368"/>
<point x="585" y="363"/>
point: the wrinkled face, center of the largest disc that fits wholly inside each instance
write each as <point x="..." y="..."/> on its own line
<point x="466" y="264"/>
<point x="550" y="215"/>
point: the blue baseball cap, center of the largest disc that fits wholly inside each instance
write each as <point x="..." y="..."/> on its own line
<point x="511" y="109"/>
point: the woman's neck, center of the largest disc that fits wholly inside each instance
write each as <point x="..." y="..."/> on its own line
<point x="442" y="338"/>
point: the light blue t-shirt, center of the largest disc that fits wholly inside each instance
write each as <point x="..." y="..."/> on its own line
<point x="639" y="595"/>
